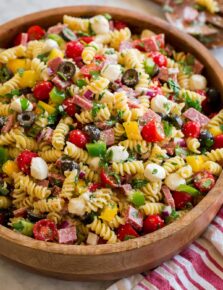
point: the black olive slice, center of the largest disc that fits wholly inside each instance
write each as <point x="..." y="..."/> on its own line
<point x="92" y="132"/>
<point x="68" y="34"/>
<point x="26" y="119"/>
<point x="130" y="78"/>
<point x="66" y="70"/>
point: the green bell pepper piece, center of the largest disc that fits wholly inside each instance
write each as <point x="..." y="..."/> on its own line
<point x="3" y="155"/>
<point x="137" y="198"/>
<point x="57" y="38"/>
<point x="189" y="189"/>
<point x="57" y="96"/>
<point x="96" y="149"/>
<point x="149" y="66"/>
<point x="23" y="226"/>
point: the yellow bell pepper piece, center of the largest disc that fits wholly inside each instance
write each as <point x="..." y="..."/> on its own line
<point x="15" y="64"/>
<point x="80" y="186"/>
<point x="109" y="212"/>
<point x="196" y="162"/>
<point x="132" y="130"/>
<point x="215" y="131"/>
<point x="55" y="53"/>
<point x="46" y="107"/>
<point x="28" y="79"/>
<point x="10" y="167"/>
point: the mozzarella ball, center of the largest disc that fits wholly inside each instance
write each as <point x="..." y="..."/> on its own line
<point x="99" y="24"/>
<point x="49" y="44"/>
<point x="119" y="153"/>
<point x="197" y="82"/>
<point x="161" y="104"/>
<point x="39" y="169"/>
<point x="77" y="206"/>
<point x="111" y="72"/>
<point x="21" y="104"/>
<point x="94" y="163"/>
<point x="174" y="180"/>
<point x="154" y="172"/>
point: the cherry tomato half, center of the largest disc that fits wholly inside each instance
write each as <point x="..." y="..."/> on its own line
<point x="152" y="223"/>
<point x="78" y="138"/>
<point x="106" y="179"/>
<point x="191" y="129"/>
<point x="158" y="58"/>
<point x="204" y="181"/>
<point x="74" y="49"/>
<point x="126" y="232"/>
<point x="181" y="199"/>
<point x="69" y="106"/>
<point x="35" y="32"/>
<point x="42" y="90"/>
<point x="218" y="141"/>
<point x="45" y="230"/>
<point x="153" y="132"/>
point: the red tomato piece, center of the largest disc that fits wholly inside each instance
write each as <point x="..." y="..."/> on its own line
<point x="24" y="160"/>
<point x="158" y="58"/>
<point x="45" y="230"/>
<point x="42" y="90"/>
<point x="99" y="57"/>
<point x="181" y="199"/>
<point x="86" y="39"/>
<point x="106" y="179"/>
<point x="204" y="181"/>
<point x="138" y="43"/>
<point x="87" y="69"/>
<point x="35" y="32"/>
<point x="74" y="49"/>
<point x="21" y="38"/>
<point x="95" y="186"/>
<point x="153" y="132"/>
<point x="191" y="129"/>
<point x="78" y="138"/>
<point x="218" y="141"/>
<point x="119" y="24"/>
<point x="126" y="232"/>
<point x="69" y="106"/>
<point x="152" y="223"/>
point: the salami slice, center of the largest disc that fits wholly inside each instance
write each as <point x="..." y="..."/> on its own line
<point x="83" y="102"/>
<point x="193" y="115"/>
<point x="168" y="196"/>
<point x="149" y="115"/>
<point x="108" y="136"/>
<point x="67" y="235"/>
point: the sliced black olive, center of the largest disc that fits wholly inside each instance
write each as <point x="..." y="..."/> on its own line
<point x="26" y="119"/>
<point x="26" y="91"/>
<point x="35" y="217"/>
<point x="130" y="78"/>
<point x="214" y="98"/>
<point x="5" y="74"/>
<point x="206" y="139"/>
<point x="113" y="87"/>
<point x="66" y="70"/>
<point x="177" y="121"/>
<point x="69" y="165"/>
<point x="92" y="132"/>
<point x="2" y="121"/>
<point x="68" y="34"/>
<point x="88" y="218"/>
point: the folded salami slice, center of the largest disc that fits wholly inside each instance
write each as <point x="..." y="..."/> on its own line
<point x="193" y="115"/>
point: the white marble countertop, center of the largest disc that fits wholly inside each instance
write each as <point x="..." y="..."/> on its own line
<point x="12" y="277"/>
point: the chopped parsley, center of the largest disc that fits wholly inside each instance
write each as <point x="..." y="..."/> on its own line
<point x="96" y="108"/>
<point x="52" y="119"/>
<point x="173" y="86"/>
<point x="168" y="128"/>
<point x="62" y="76"/>
<point x="95" y="74"/>
<point x="154" y="171"/>
<point x="20" y="71"/>
<point x="81" y="83"/>
<point x="13" y="93"/>
<point x="139" y="183"/>
<point x="24" y="104"/>
<point x="43" y="57"/>
<point x="191" y="103"/>
<point x="207" y="183"/>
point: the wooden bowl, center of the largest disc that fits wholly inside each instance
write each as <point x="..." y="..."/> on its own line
<point x="103" y="262"/>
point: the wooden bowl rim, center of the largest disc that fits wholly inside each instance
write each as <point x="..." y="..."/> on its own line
<point x="148" y="239"/>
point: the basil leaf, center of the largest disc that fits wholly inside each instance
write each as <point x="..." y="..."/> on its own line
<point x="168" y="128"/>
<point x="24" y="104"/>
<point x="173" y="86"/>
<point x="81" y="83"/>
<point x="138" y="183"/>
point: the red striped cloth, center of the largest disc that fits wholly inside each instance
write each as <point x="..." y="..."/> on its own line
<point x="200" y="266"/>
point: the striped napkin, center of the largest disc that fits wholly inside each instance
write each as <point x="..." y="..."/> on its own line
<point x="200" y="266"/>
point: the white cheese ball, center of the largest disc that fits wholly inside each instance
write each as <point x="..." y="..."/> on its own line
<point x="49" y="44"/>
<point x="197" y="82"/>
<point x="39" y="168"/>
<point x="161" y="104"/>
<point x="19" y="104"/>
<point x="154" y="172"/>
<point x="77" y="206"/>
<point x="94" y="163"/>
<point x="111" y="72"/>
<point x="99" y="24"/>
<point x="174" y="180"/>
<point x="119" y="153"/>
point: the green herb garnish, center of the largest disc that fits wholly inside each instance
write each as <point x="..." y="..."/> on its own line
<point x="81" y="83"/>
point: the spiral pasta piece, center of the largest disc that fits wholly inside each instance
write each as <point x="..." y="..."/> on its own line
<point x="12" y="53"/>
<point x="215" y="155"/>
<point x="68" y="188"/>
<point x="89" y="174"/>
<point x="122" y="105"/>
<point x="5" y="109"/>
<point x="116" y="222"/>
<point x="210" y="5"/>
<point x="119" y="131"/>
<point x="50" y="205"/>
<point x="193" y="144"/>
<point x="140" y="147"/>
<point x="12" y="84"/>
<point x="5" y="202"/>
<point x="54" y="216"/>
<point x="98" y="85"/>
<point x="59" y="134"/>
<point x="97" y="200"/>
<point x="39" y="67"/>
<point x="131" y="167"/>
<point x="76" y="23"/>
<point x="50" y="155"/>
<point x="76" y="153"/>
<point x="9" y="138"/>
<point x="117" y="36"/>
<point x="86" y="117"/>
<point x="34" y="48"/>
<point x="213" y="167"/>
<point x="152" y="208"/>
<point x="185" y="171"/>
<point x="103" y="231"/>
<point x="89" y="52"/>
<point x="173" y="164"/>
<point x="23" y="142"/>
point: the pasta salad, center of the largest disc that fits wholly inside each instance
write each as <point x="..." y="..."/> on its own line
<point x="106" y="135"/>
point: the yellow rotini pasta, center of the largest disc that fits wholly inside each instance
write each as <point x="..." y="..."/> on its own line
<point x="131" y="167"/>
<point x="50" y="205"/>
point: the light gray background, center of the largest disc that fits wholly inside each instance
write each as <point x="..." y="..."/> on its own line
<point x="12" y="277"/>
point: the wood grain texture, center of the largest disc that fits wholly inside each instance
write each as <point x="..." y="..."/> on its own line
<point x="104" y="262"/>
